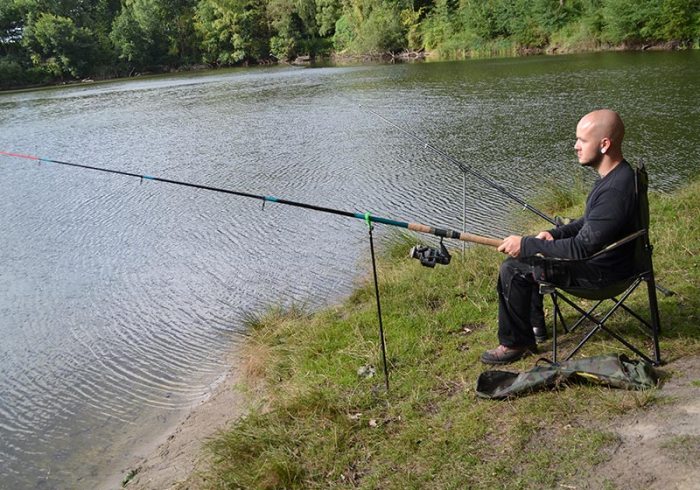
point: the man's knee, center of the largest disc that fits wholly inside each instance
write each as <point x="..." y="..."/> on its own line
<point x="510" y="268"/>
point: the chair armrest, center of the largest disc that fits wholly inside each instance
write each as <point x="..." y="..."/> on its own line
<point x="602" y="251"/>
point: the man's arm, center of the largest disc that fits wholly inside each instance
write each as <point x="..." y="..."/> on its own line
<point x="511" y="244"/>
<point x="606" y="220"/>
<point x="568" y="230"/>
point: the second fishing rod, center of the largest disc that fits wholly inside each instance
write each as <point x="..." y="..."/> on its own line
<point x="464" y="168"/>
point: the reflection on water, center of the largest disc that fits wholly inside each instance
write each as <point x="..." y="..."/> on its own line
<point x="119" y="299"/>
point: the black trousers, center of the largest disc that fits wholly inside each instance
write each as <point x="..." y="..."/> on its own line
<point x="520" y="303"/>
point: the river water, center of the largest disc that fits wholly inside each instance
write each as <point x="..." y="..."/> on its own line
<point x="120" y="299"/>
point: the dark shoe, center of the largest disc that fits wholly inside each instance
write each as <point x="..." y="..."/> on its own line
<point x="540" y="334"/>
<point x="506" y="355"/>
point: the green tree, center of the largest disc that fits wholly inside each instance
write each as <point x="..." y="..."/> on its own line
<point x="11" y="73"/>
<point x="488" y="19"/>
<point x="290" y="21"/>
<point x="149" y="33"/>
<point x="179" y="30"/>
<point x="371" y="27"/>
<point x="344" y="34"/>
<point x="11" y="25"/>
<point x="628" y="20"/>
<point x="439" y="28"/>
<point x="527" y="23"/>
<point x="133" y="42"/>
<point x="680" y="21"/>
<point x="640" y="21"/>
<point x="302" y="26"/>
<point x="57" y="45"/>
<point x="327" y="14"/>
<point x="411" y="23"/>
<point x="553" y="15"/>
<point x="232" y="31"/>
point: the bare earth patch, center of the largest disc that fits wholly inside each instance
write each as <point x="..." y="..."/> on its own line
<point x="659" y="447"/>
<point x="174" y="464"/>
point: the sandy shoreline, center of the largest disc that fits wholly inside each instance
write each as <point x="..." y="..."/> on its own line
<point x="173" y="458"/>
<point x="642" y="457"/>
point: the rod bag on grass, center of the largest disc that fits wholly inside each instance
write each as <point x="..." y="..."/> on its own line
<point x="613" y="370"/>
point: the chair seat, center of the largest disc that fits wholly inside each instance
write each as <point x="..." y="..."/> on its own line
<point x="604" y="292"/>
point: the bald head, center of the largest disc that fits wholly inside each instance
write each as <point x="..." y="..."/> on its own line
<point x="605" y="123"/>
<point x="599" y="136"/>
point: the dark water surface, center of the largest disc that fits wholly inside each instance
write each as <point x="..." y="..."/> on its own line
<point x="119" y="300"/>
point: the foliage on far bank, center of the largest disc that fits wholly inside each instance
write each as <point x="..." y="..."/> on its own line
<point x="45" y="41"/>
<point x="320" y="421"/>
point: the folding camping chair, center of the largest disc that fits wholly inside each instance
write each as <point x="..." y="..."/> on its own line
<point x="617" y="292"/>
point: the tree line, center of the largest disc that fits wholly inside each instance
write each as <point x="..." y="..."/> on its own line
<point x="44" y="41"/>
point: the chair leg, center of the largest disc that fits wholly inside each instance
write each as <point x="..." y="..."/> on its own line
<point x="557" y="312"/>
<point x="631" y="311"/>
<point x="629" y="346"/>
<point x="600" y="324"/>
<point x="584" y="314"/>
<point x="654" y="327"/>
<point x="583" y="341"/>
<point x="638" y="317"/>
<point x="655" y="319"/>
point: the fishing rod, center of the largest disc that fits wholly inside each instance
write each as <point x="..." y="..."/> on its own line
<point x="464" y="168"/>
<point x="367" y="217"/>
<point x="427" y="256"/>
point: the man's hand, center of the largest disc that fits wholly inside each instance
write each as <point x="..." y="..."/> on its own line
<point x="544" y="235"/>
<point x="511" y="245"/>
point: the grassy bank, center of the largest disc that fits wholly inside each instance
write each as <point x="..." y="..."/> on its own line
<point x="316" y="423"/>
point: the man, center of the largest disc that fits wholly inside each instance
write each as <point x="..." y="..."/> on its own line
<point x="609" y="216"/>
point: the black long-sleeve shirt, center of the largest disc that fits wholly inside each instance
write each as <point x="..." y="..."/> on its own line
<point x="609" y="216"/>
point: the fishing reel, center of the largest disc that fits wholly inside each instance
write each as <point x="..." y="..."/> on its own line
<point x="561" y="221"/>
<point x="430" y="256"/>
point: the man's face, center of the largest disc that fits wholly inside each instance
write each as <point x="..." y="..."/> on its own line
<point x="587" y="145"/>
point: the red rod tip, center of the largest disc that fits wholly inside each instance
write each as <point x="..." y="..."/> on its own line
<point x="19" y="155"/>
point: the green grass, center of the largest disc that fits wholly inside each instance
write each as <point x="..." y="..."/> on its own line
<point x="684" y="448"/>
<point x="315" y="423"/>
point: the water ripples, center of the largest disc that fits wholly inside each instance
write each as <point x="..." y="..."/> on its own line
<point x="120" y="299"/>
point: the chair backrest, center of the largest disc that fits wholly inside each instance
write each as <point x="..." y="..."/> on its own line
<point x="643" y="248"/>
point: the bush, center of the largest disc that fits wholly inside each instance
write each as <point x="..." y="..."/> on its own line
<point x="11" y="74"/>
<point x="370" y="29"/>
<point x="14" y="75"/>
<point x="680" y="21"/>
<point x="344" y="34"/>
<point x="382" y="31"/>
<point x="59" y="46"/>
<point x="637" y="21"/>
